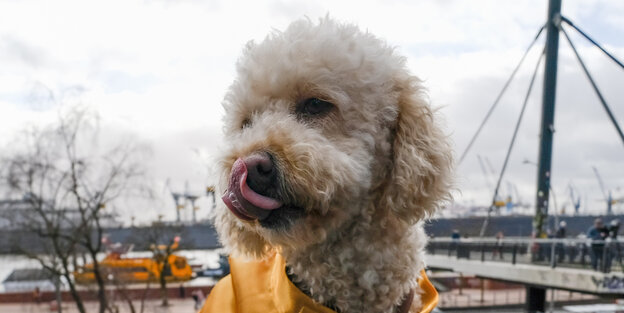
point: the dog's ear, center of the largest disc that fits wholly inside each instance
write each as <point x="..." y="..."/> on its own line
<point x="420" y="180"/>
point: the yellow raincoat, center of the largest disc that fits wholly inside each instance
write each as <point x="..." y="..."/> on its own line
<point x="264" y="287"/>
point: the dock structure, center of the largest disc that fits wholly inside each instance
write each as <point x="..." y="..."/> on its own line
<point x="591" y="267"/>
<point x="579" y="280"/>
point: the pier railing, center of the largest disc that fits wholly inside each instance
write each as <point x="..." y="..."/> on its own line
<point x="599" y="255"/>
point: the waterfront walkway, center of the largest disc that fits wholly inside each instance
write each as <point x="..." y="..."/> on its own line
<point x="549" y="263"/>
<point x="151" y="306"/>
<point x="471" y="298"/>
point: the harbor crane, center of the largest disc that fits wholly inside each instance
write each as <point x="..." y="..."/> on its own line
<point x="576" y="201"/>
<point x="488" y="171"/>
<point x="179" y="206"/>
<point x="606" y="194"/>
<point x="182" y="199"/>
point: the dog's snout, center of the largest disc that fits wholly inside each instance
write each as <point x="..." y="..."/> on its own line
<point x="262" y="173"/>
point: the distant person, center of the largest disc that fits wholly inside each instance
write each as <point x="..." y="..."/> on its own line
<point x="498" y="246"/>
<point x="560" y="234"/>
<point x="198" y="297"/>
<point x="615" y="248"/>
<point x="561" y="230"/>
<point x="37" y="295"/>
<point x="455" y="235"/>
<point x="182" y="291"/>
<point x="546" y="248"/>
<point x="195" y="299"/>
<point x="614" y="228"/>
<point x="597" y="233"/>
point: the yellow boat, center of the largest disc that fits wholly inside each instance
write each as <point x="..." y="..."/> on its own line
<point x="116" y="268"/>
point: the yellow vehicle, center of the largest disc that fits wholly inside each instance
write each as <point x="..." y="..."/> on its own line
<point x="116" y="268"/>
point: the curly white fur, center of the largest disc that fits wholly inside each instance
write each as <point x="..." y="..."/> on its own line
<point x="366" y="174"/>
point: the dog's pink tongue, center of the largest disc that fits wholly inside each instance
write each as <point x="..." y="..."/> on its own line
<point x="243" y="201"/>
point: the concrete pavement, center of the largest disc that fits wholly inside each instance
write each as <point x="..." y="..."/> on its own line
<point x="151" y="306"/>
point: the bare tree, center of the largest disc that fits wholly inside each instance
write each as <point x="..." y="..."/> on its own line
<point x="122" y="277"/>
<point x="162" y="246"/>
<point x="121" y="286"/>
<point x="68" y="182"/>
<point x="32" y="172"/>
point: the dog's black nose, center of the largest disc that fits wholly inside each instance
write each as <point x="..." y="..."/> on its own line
<point x="262" y="174"/>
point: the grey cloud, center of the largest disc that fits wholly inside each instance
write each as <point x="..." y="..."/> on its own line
<point x="584" y="136"/>
<point x="19" y="50"/>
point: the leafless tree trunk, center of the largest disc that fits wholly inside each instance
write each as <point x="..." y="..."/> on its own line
<point x="66" y="186"/>
<point x="161" y="254"/>
<point x="120" y="283"/>
<point x="162" y="258"/>
<point x="145" y="292"/>
<point x="32" y="173"/>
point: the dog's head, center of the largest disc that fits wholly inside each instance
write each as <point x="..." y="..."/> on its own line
<point x="325" y="125"/>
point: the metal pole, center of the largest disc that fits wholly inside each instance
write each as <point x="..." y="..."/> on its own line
<point x="535" y="299"/>
<point x="535" y="296"/>
<point x="548" y="117"/>
<point x="482" y="290"/>
<point x="461" y="283"/>
<point x="57" y="293"/>
<point x="553" y="255"/>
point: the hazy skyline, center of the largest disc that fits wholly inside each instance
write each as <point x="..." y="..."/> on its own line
<point x="158" y="70"/>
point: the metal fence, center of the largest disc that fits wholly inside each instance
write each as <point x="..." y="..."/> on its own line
<point x="599" y="255"/>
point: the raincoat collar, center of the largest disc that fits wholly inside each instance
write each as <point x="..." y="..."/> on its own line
<point x="263" y="286"/>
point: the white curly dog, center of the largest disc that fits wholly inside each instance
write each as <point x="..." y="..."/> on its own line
<point x="333" y="158"/>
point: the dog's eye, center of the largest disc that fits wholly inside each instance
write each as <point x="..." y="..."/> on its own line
<point x="314" y="107"/>
<point x="246" y="123"/>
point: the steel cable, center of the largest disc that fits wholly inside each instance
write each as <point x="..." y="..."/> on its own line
<point x="511" y="144"/>
<point x="498" y="98"/>
<point x="567" y="21"/>
<point x="593" y="83"/>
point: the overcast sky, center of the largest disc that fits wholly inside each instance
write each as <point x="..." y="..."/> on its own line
<point x="158" y="70"/>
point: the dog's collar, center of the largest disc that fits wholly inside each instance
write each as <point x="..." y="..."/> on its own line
<point x="404" y="307"/>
